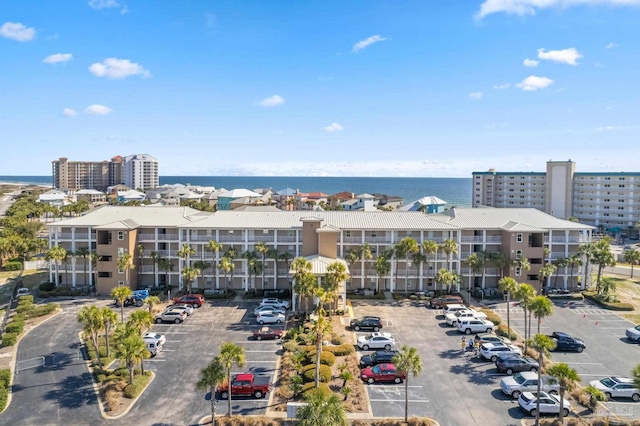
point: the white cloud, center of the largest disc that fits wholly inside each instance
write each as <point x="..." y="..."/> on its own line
<point x="333" y="127"/>
<point x="272" y="101"/>
<point x="611" y="45"/>
<point x="502" y="86"/>
<point x="475" y="95"/>
<point x="103" y="4"/>
<point x="17" y="31"/>
<point x="68" y="112"/>
<point x="608" y="128"/>
<point x="58" y="57"/>
<point x="531" y="63"/>
<point x="115" y="68"/>
<point x="529" y="7"/>
<point x="533" y="83"/>
<point x="565" y="56"/>
<point x="367" y="42"/>
<point x="97" y="109"/>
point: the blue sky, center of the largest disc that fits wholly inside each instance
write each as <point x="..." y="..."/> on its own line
<point x="325" y="88"/>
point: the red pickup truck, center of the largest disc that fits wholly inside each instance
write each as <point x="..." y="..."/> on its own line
<point x="246" y="384"/>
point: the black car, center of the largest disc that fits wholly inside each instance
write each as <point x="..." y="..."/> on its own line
<point x="378" y="357"/>
<point x="515" y="364"/>
<point x="564" y="342"/>
<point x="364" y="323"/>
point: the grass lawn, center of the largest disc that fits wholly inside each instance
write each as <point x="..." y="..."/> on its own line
<point x="628" y="291"/>
<point x="30" y="279"/>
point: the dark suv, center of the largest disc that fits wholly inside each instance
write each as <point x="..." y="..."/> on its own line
<point x="378" y="357"/>
<point x="371" y="323"/>
<point x="441" y="302"/>
<point x="515" y="364"/>
<point x="564" y="342"/>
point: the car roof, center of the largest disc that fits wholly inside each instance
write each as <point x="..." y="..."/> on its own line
<point x="621" y="379"/>
<point x="561" y="334"/>
<point x="387" y="365"/>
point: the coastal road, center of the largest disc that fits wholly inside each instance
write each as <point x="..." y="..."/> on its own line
<point x="6" y="201"/>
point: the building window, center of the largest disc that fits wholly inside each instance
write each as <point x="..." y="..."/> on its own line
<point x="120" y="271"/>
<point x="347" y="234"/>
<point x="120" y="251"/>
<point x="121" y="235"/>
<point x="518" y="271"/>
<point x="519" y="238"/>
<point x="620" y="186"/>
<point x="120" y="283"/>
<point x="518" y="254"/>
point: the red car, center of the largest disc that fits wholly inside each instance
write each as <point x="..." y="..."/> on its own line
<point x="383" y="373"/>
<point x="266" y="333"/>
<point x="194" y="300"/>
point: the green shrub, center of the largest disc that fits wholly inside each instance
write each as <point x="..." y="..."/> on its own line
<point x="501" y="330"/>
<point x="614" y="306"/>
<point x="26" y="300"/>
<point x="413" y="297"/>
<point x="13" y="266"/>
<point x="134" y="389"/>
<point x="46" y="286"/>
<point x="308" y="388"/>
<point x="18" y="318"/>
<point x="101" y="377"/>
<point x="5" y="378"/>
<point x="4" y="397"/>
<point x="290" y="346"/>
<point x="336" y="339"/>
<point x="327" y="358"/>
<point x="309" y="373"/>
<point x="24" y="309"/>
<point x="340" y="350"/>
<point x="122" y="372"/>
<point x="492" y="316"/>
<point x="14" y="327"/>
<point x="9" y="339"/>
<point x="42" y="310"/>
<point x="302" y="338"/>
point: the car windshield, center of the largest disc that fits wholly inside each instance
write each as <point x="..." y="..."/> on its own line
<point x="376" y="369"/>
<point x="374" y="356"/>
<point x="518" y="378"/>
<point x="608" y="382"/>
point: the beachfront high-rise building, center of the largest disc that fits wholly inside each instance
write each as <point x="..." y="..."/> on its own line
<point x="135" y="171"/>
<point x="609" y="201"/>
<point x="140" y="171"/>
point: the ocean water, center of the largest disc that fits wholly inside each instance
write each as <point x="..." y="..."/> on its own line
<point x="455" y="191"/>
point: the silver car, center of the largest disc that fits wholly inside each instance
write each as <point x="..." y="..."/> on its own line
<point x="617" y="387"/>
<point x="186" y="308"/>
<point x="275" y="309"/>
<point x="270" y="318"/>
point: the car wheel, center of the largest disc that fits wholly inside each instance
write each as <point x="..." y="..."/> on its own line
<point x="356" y="328"/>
<point x="139" y="303"/>
<point x="224" y="395"/>
<point x="489" y="330"/>
<point x="258" y="394"/>
<point x="158" y="320"/>
<point x="259" y="338"/>
<point x="370" y="380"/>
<point x="387" y="347"/>
<point x="365" y="347"/>
<point x="566" y="412"/>
<point x="376" y="328"/>
<point x="278" y="336"/>
<point x="195" y="306"/>
<point x="635" y="397"/>
<point x="533" y="412"/>
<point x="397" y="380"/>
<point x="509" y="371"/>
<point x="261" y="322"/>
<point x="515" y="394"/>
<point x="278" y="321"/>
<point x="580" y="349"/>
<point x="534" y="369"/>
<point x="608" y="396"/>
<point x="494" y="358"/>
<point x="467" y="331"/>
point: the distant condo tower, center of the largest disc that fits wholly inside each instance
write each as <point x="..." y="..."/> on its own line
<point x="609" y="200"/>
<point x="138" y="171"/>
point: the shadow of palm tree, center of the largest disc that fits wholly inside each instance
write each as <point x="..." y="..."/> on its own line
<point x="74" y="392"/>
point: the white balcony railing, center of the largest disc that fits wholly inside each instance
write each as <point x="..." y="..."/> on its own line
<point x="231" y="238"/>
<point x="165" y="237"/>
<point x="146" y="237"/>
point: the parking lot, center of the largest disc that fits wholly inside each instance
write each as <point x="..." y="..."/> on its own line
<point x="455" y="389"/>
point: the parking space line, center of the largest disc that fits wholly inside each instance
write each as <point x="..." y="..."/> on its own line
<point x="394" y="386"/>
<point x="168" y="350"/>
<point x="266" y="352"/>
<point x="154" y="360"/>
<point x="173" y="341"/>
<point x="175" y="332"/>
<point x="399" y="400"/>
<point x="255" y="362"/>
<point x="583" y="363"/>
<point x="614" y="328"/>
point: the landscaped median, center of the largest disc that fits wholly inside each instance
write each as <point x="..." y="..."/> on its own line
<point x="25" y="311"/>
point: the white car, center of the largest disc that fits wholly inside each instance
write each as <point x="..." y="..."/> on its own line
<point x="468" y="326"/>
<point x="453" y="308"/>
<point x="632" y="333"/>
<point x="376" y="340"/>
<point x="493" y="350"/>
<point x="154" y="337"/>
<point x="186" y="308"/>
<point x="526" y="381"/>
<point x="270" y="318"/>
<point x="274" y="301"/>
<point x="463" y="314"/>
<point x="548" y="403"/>
<point x="259" y="309"/>
<point x="617" y="387"/>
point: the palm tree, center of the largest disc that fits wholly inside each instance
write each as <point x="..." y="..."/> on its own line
<point x="227" y="266"/>
<point x="352" y="257"/>
<point x="188" y="275"/>
<point x="543" y="344"/>
<point x="93" y="259"/>
<point x="476" y="263"/>
<point x="572" y="262"/>
<point x="418" y="259"/>
<point x="231" y="255"/>
<point x="84" y="253"/>
<point x="443" y="277"/>
<point x="545" y="272"/>
<point x="635" y="373"/>
<point x="408" y="361"/>
<point x="336" y="274"/>
<point x="450" y="247"/>
<point x="559" y="263"/>
<point x="632" y="257"/>
<point x="273" y="255"/>
<point x="109" y="319"/>
<point x="215" y="247"/>
<point x="382" y="267"/>
<point x="404" y="248"/>
<point x="212" y="376"/>
<point x="91" y="319"/>
<point x="499" y="260"/>
<point x="522" y="263"/>
<point x="56" y="254"/>
<point x="429" y="247"/>
<point x="365" y="252"/>
<point x="607" y="286"/>
<point x="319" y="329"/>
<point x="510" y="286"/>
<point x="322" y="410"/>
<point x="305" y="283"/>
<point x="121" y="293"/>
<point x="251" y="258"/>
<point x="231" y="354"/>
<point x="152" y="301"/>
<point x="154" y="258"/>
<point x="166" y="266"/>
<point x="587" y="250"/>
<point x="130" y="348"/>
<point x="541" y="307"/>
<point x="525" y="293"/>
<point x="602" y="257"/>
<point x="185" y="252"/>
<point x="263" y="249"/>
<point x="566" y="377"/>
<point x="125" y="264"/>
<point x="66" y="266"/>
<point x="201" y="266"/>
<point x="140" y="256"/>
<point x="141" y="320"/>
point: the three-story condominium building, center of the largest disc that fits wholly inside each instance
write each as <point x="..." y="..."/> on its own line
<point x="154" y="236"/>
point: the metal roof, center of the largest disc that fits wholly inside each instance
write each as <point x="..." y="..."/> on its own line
<point x="144" y="216"/>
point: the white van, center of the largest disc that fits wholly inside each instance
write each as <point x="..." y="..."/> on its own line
<point x="153" y="346"/>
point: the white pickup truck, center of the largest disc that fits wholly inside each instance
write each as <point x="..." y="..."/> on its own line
<point x="454" y="317"/>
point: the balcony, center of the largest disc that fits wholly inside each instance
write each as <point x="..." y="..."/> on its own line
<point x="286" y="239"/>
<point x="146" y="237"/>
<point x="262" y="238"/>
<point x="167" y="253"/>
<point x="201" y="238"/>
<point x="64" y="235"/>
<point x="165" y="237"/>
<point x="84" y="236"/>
<point x="147" y="268"/>
<point x="231" y="239"/>
<point x="377" y="240"/>
<point x="352" y="240"/>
